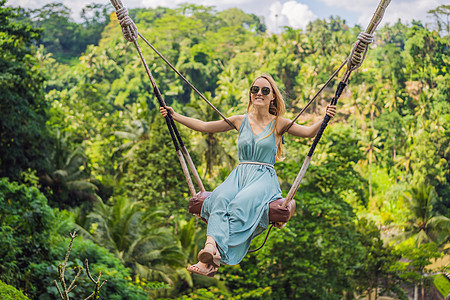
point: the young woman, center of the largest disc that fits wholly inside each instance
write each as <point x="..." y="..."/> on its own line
<point x="237" y="210"/>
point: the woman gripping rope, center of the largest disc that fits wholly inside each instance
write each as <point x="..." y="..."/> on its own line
<point x="237" y="210"/>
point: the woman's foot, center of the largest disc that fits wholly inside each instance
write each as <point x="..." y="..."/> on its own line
<point x="203" y="269"/>
<point x="209" y="255"/>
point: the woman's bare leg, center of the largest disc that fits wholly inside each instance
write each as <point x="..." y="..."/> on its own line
<point x="210" y="244"/>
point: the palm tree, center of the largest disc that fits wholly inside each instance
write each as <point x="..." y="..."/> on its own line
<point x="70" y="178"/>
<point x="132" y="135"/>
<point x="371" y="149"/>
<point x="424" y="225"/>
<point x="355" y="107"/>
<point x="404" y="160"/>
<point x="190" y="238"/>
<point x="136" y="234"/>
<point x="372" y="105"/>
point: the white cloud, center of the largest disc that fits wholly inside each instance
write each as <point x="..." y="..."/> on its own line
<point x="406" y="10"/>
<point x="353" y="5"/>
<point x="156" y="3"/>
<point x="175" y="3"/>
<point x="299" y="15"/>
<point x="291" y="13"/>
<point x="74" y="6"/>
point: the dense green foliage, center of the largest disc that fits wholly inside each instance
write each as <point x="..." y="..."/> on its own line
<point x="83" y="147"/>
<point x="442" y="284"/>
<point x="63" y="37"/>
<point x="154" y="170"/>
<point x="23" y="139"/>
<point x="32" y="245"/>
<point x="8" y="292"/>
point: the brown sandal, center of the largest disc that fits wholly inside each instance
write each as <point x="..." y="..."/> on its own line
<point x="209" y="257"/>
<point x="210" y="271"/>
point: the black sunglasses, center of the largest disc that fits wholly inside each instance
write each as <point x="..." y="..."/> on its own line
<point x="255" y="89"/>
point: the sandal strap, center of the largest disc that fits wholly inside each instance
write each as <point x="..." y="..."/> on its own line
<point x="206" y="270"/>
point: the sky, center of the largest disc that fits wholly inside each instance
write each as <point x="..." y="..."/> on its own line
<point x="276" y="14"/>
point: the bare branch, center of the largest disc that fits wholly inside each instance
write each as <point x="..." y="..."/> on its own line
<point x="86" y="264"/>
<point x="72" y="286"/>
<point x="64" y="291"/>
<point x="102" y="284"/>
<point x="98" y="286"/>
<point x="59" y="291"/>
<point x="72" y="237"/>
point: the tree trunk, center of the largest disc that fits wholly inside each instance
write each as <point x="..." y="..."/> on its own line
<point x="395" y="150"/>
<point x="370" y="176"/>
<point x="416" y="292"/>
<point x="371" y="117"/>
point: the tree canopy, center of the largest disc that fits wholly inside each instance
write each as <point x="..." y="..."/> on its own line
<point x="83" y="147"/>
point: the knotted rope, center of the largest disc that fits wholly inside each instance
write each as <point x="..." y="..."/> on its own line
<point x="356" y="57"/>
<point x="359" y="51"/>
<point x="354" y="61"/>
<point x="131" y="34"/>
<point x="129" y="29"/>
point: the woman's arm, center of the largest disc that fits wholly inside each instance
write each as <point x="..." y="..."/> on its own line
<point x="306" y="131"/>
<point x="202" y="126"/>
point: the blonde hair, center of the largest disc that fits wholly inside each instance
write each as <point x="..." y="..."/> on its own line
<point x="278" y="108"/>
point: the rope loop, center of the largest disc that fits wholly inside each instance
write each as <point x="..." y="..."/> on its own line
<point x="129" y="29"/>
<point x="359" y="51"/>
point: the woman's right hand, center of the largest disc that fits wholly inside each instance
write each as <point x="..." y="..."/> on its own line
<point x="164" y="110"/>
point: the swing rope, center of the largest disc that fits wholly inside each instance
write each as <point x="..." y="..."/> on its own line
<point x="353" y="61"/>
<point x="265" y="240"/>
<point x="131" y="34"/>
<point x="315" y="96"/>
<point x="188" y="83"/>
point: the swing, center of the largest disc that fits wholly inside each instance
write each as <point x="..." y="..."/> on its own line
<point x="280" y="210"/>
<point x="278" y="213"/>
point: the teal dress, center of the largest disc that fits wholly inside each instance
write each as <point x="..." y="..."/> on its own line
<point x="238" y="209"/>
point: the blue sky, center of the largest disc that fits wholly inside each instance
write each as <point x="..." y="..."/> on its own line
<point x="294" y="13"/>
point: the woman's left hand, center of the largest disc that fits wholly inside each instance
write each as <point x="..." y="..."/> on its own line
<point x="331" y="110"/>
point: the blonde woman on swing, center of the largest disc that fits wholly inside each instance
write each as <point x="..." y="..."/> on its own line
<point x="238" y="209"/>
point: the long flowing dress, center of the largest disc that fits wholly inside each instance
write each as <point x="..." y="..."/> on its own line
<point x="238" y="209"/>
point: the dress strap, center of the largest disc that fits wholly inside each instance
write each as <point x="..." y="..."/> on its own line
<point x="244" y="123"/>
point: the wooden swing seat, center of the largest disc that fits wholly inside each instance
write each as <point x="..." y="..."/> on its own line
<point x="277" y="212"/>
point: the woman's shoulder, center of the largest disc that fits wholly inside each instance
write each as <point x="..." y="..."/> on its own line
<point x="237" y="117"/>
<point x="237" y="120"/>
<point x="282" y="123"/>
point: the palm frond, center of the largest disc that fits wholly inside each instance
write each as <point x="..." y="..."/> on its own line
<point x="81" y="185"/>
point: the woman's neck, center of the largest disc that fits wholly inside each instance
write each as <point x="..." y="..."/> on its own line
<point x="260" y="113"/>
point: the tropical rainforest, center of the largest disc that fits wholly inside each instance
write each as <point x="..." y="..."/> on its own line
<point x="84" y="149"/>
